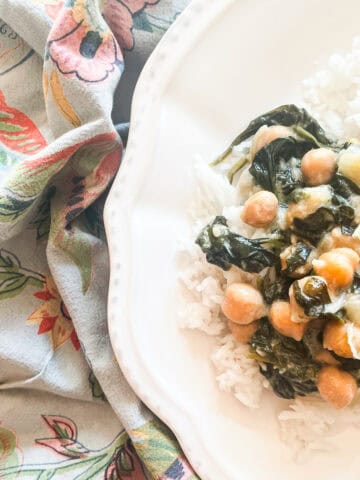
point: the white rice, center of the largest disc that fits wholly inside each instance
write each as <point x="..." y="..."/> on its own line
<point x="236" y="373"/>
<point x="332" y="95"/>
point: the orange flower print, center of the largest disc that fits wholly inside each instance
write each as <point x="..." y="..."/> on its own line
<point x="119" y="16"/>
<point x="52" y="317"/>
<point x="81" y="45"/>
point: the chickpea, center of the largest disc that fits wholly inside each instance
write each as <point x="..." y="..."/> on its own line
<point x="350" y="254"/>
<point x="266" y="135"/>
<point x="324" y="356"/>
<point x="336" y="386"/>
<point x="243" y="304"/>
<point x="280" y="318"/>
<point x="260" y="209"/>
<point x="335" y="268"/>
<point x="335" y="338"/>
<point x="336" y="239"/>
<point x="243" y="333"/>
<point x="297" y="312"/>
<point x="318" y="166"/>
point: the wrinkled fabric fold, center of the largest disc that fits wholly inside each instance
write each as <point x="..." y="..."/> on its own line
<point x="60" y="386"/>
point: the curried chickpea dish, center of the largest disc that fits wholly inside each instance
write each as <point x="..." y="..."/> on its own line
<point x="300" y="314"/>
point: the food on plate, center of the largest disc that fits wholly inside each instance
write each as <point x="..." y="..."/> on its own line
<point x="289" y="250"/>
<point x="243" y="333"/>
<point x="260" y="209"/>
<point x="336" y="386"/>
<point x="280" y="319"/>
<point x="318" y="166"/>
<point x="243" y="304"/>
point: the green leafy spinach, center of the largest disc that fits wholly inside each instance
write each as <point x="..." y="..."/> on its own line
<point x="344" y="186"/>
<point x="274" y="285"/>
<point x="289" y="116"/>
<point x="225" y="248"/>
<point x="338" y="213"/>
<point x="271" y="168"/>
<point x="286" y="363"/>
<point x="297" y="258"/>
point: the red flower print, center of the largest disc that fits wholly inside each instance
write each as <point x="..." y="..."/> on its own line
<point x="119" y="16"/>
<point x="17" y="131"/>
<point x="81" y="49"/>
<point x="53" y="318"/>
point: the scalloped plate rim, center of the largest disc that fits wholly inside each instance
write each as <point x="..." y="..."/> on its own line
<point x="204" y="12"/>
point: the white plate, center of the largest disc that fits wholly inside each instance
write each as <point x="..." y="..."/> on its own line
<point x="221" y="64"/>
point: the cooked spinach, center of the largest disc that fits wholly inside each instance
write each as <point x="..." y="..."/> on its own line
<point x="274" y="286"/>
<point x="355" y="287"/>
<point x="312" y="228"/>
<point x="287" y="179"/>
<point x="344" y="186"/>
<point x="288" y="116"/>
<point x="271" y="169"/>
<point x="313" y="337"/>
<point x="313" y="297"/>
<point x="286" y="363"/>
<point x="347" y="230"/>
<point x="280" y="385"/>
<point x="343" y="212"/>
<point x="225" y="248"/>
<point x="297" y="258"/>
<point x="314" y="225"/>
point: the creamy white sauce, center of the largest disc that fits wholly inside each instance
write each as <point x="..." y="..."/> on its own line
<point x="312" y="199"/>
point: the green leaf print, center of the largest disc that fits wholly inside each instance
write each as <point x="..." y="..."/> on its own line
<point x="3" y="157"/>
<point x="43" y="218"/>
<point x="76" y="243"/>
<point x="46" y="475"/>
<point x="8" y="158"/>
<point x="147" y="22"/>
<point x="6" y="115"/>
<point x="12" y="206"/>
<point x="116" y="458"/>
<point x="8" y="449"/>
<point x="157" y="447"/>
<point x="8" y="127"/>
<point x="141" y="22"/>
<point x="96" y="389"/>
<point x="14" y="277"/>
<point x="125" y="461"/>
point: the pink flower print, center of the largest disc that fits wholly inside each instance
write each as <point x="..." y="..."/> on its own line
<point x="119" y="16"/>
<point x="64" y="440"/>
<point x="53" y="8"/>
<point x="77" y="50"/>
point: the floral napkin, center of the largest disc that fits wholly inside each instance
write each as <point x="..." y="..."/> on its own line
<point x="67" y="72"/>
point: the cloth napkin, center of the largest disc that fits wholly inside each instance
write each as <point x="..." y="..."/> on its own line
<point x="67" y="72"/>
